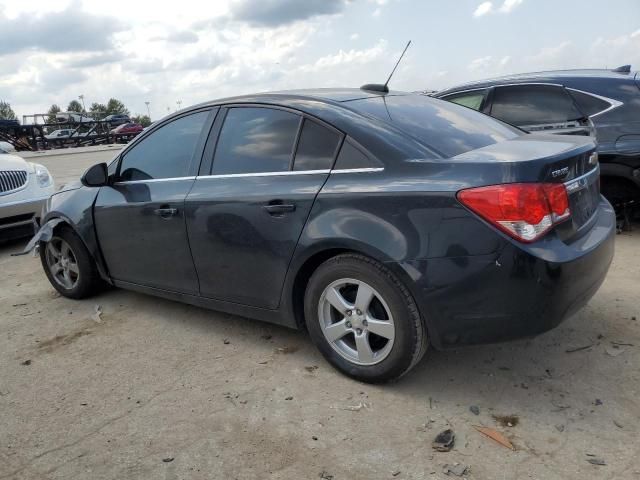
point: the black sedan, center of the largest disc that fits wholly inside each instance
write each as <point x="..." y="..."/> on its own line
<point x="380" y="222"/>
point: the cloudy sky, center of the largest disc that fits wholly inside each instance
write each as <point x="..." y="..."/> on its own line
<point x="195" y="50"/>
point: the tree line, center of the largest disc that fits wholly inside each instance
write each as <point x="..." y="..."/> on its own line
<point x="98" y="111"/>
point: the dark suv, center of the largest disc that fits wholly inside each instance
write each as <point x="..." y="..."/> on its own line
<point x="572" y="102"/>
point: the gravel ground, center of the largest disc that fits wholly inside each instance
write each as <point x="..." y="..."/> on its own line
<point x="156" y="389"/>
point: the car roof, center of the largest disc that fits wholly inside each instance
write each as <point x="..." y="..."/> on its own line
<point x="543" y="76"/>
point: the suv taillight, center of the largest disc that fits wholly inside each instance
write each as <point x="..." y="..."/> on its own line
<point x="525" y="211"/>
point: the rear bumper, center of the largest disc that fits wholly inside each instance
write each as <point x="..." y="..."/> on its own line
<point x="521" y="291"/>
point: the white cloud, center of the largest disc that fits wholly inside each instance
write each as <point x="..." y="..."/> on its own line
<point x="480" y="63"/>
<point x="505" y="60"/>
<point x="509" y="5"/>
<point x="354" y="36"/>
<point x="483" y="9"/>
<point x="635" y="34"/>
<point x="349" y="57"/>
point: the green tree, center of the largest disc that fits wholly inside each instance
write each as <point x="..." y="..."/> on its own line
<point x="53" y="109"/>
<point x="143" y="120"/>
<point x="115" y="106"/>
<point x="6" y="113"/>
<point x="99" y="110"/>
<point x="74" y="106"/>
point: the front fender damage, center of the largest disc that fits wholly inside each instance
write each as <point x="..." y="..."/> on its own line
<point x="44" y="234"/>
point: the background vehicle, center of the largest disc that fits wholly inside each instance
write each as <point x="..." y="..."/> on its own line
<point x="60" y="134"/>
<point x="117" y="119"/>
<point x="6" y="147"/>
<point x="73" y="117"/>
<point x="381" y="223"/>
<point x="571" y="102"/>
<point x="128" y="128"/>
<point x="24" y="187"/>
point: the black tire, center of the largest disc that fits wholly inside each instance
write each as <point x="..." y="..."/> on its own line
<point x="88" y="281"/>
<point x="410" y="341"/>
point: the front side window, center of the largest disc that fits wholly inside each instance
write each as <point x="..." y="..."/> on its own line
<point x="468" y="99"/>
<point x="524" y="105"/>
<point x="316" y="148"/>
<point x="256" y="140"/>
<point x="165" y="153"/>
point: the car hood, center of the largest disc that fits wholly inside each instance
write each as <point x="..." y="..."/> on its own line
<point x="13" y="162"/>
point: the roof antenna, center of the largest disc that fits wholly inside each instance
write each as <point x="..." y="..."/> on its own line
<point x="376" y="87"/>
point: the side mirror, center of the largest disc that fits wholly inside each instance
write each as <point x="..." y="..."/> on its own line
<point x="96" y="176"/>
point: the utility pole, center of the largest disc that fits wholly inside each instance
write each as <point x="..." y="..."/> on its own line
<point x="179" y="103"/>
<point x="148" y="111"/>
<point x="81" y="97"/>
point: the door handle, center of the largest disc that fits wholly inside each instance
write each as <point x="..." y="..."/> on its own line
<point x="166" y="212"/>
<point x="279" y="208"/>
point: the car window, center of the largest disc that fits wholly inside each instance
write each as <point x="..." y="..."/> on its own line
<point x="445" y="127"/>
<point x="351" y="157"/>
<point x="254" y="140"/>
<point x="524" y="105"/>
<point x="316" y="148"/>
<point x="588" y="104"/>
<point x="165" y="153"/>
<point x="468" y="99"/>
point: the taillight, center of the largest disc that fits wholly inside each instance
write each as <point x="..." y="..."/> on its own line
<point x="525" y="211"/>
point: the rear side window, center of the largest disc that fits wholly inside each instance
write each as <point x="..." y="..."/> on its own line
<point x="468" y="99"/>
<point x="445" y="127"/>
<point x="524" y="105"/>
<point x="165" y="153"/>
<point x="351" y="157"/>
<point x="255" y="140"/>
<point x="316" y="148"/>
<point x="588" y="104"/>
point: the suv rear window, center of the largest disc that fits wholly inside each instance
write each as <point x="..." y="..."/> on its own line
<point x="445" y="127"/>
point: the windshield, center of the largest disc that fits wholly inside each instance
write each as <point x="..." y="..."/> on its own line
<point x="445" y="127"/>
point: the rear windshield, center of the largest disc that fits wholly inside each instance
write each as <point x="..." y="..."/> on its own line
<point x="447" y="128"/>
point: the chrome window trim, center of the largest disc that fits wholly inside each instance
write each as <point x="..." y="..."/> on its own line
<point x="612" y="103"/>
<point x="358" y="170"/>
<point x="154" y="180"/>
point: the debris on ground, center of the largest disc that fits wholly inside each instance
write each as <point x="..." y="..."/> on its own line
<point x="506" y="420"/>
<point x="578" y="349"/>
<point x="396" y="473"/>
<point x="226" y="341"/>
<point x="474" y="409"/>
<point x="26" y="362"/>
<point x="444" y="441"/>
<point x="457" y="469"/>
<point x="495" y="436"/>
<point x="19" y="305"/>
<point x="614" y="351"/>
<point x="167" y="460"/>
<point x="266" y="337"/>
<point x="289" y="398"/>
<point x="357" y="408"/>
<point x="97" y="312"/>
<point x="621" y="344"/>
<point x="597" y="402"/>
<point x="560" y="428"/>
<point x="311" y="368"/>
<point x="596" y="461"/>
<point x="286" y="350"/>
<point x="618" y="424"/>
<point x="325" y="476"/>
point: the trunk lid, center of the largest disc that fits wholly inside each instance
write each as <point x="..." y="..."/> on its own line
<point x="546" y="158"/>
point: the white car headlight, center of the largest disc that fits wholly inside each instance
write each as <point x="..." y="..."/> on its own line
<point x="42" y="175"/>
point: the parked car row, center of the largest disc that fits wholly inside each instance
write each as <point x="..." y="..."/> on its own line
<point x="381" y="222"/>
<point x="601" y="103"/>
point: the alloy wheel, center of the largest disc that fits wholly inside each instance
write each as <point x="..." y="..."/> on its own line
<point x="356" y="321"/>
<point x="62" y="263"/>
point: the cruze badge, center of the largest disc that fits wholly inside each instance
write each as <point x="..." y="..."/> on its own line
<point x="560" y="173"/>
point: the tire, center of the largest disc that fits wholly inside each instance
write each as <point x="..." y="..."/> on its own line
<point x="84" y="279"/>
<point x="389" y="323"/>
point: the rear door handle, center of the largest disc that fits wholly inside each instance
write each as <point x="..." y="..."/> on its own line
<point x="279" y="208"/>
<point x="166" y="212"/>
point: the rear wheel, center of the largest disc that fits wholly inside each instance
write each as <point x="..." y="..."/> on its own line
<point x="69" y="266"/>
<point x="363" y="319"/>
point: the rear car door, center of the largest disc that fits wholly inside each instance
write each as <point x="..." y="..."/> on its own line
<point x="538" y="108"/>
<point x="246" y="212"/>
<point x="140" y="217"/>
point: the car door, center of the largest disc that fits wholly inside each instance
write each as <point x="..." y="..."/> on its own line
<point x="246" y="213"/>
<point x="539" y="108"/>
<point x="140" y="217"/>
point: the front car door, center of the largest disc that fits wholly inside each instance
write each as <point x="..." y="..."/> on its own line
<point x="245" y="215"/>
<point x="140" y="217"/>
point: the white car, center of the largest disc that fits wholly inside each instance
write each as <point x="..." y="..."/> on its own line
<point x="6" y="147"/>
<point x="24" y="188"/>
<point x="60" y="134"/>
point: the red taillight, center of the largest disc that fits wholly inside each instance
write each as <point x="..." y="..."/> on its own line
<point x="526" y="211"/>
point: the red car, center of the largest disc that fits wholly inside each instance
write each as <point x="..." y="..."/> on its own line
<point x="128" y="128"/>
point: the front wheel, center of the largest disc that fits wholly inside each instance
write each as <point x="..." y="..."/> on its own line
<point x="363" y="319"/>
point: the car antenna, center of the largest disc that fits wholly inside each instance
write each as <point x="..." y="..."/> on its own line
<point x="376" y="87"/>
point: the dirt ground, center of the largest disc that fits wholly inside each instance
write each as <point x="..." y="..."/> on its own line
<point x="158" y="390"/>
